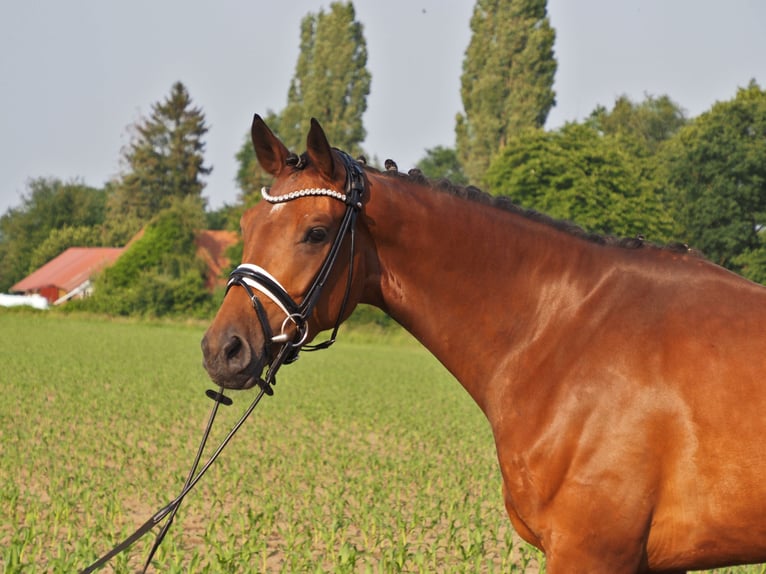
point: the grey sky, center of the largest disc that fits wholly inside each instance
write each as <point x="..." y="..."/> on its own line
<point x="74" y="75"/>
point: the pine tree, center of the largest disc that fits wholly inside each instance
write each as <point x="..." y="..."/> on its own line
<point x="331" y="81"/>
<point x="507" y="81"/>
<point x="164" y="162"/>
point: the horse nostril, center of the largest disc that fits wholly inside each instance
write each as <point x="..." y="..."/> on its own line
<point x="227" y="356"/>
<point x="232" y="348"/>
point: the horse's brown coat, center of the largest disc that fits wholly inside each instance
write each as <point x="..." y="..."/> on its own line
<point x="625" y="387"/>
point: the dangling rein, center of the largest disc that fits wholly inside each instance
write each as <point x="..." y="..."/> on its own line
<point x="251" y="277"/>
<point x="191" y="480"/>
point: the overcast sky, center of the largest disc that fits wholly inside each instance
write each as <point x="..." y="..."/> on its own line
<point x="74" y="75"/>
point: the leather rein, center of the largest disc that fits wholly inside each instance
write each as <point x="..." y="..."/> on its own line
<point x="256" y="279"/>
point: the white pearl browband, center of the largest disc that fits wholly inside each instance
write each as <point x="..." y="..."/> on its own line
<point x="312" y="192"/>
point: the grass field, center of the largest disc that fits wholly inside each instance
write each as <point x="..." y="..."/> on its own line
<point x="369" y="458"/>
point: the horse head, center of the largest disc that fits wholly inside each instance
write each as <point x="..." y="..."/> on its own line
<point x="301" y="273"/>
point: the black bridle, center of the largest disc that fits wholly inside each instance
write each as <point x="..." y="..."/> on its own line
<point x="254" y="278"/>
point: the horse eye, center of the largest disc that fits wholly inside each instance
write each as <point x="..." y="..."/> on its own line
<point x="316" y="235"/>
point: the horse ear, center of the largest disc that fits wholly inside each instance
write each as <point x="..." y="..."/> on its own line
<point x="319" y="150"/>
<point x="271" y="152"/>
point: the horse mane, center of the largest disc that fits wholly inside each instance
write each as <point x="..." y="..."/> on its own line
<point x="504" y="203"/>
<point x="474" y="194"/>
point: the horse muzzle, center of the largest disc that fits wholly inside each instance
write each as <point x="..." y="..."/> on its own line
<point x="230" y="359"/>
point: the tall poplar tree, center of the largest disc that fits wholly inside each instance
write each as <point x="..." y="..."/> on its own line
<point x="331" y="81"/>
<point x="165" y="161"/>
<point x="507" y="81"/>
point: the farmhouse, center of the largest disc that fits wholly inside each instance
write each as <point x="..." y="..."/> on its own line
<point x="68" y="276"/>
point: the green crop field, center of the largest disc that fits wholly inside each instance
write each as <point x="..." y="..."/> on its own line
<point x="369" y="458"/>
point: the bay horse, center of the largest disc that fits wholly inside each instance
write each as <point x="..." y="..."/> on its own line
<point x="623" y="382"/>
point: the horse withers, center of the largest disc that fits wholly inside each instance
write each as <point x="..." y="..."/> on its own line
<point x="623" y="382"/>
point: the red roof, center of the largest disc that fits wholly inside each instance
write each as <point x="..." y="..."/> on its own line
<point x="211" y="247"/>
<point x="70" y="269"/>
<point x="78" y="264"/>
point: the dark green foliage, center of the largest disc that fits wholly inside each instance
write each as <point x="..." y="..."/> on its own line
<point x="507" y="81"/>
<point x="602" y="174"/>
<point x="159" y="274"/>
<point x="48" y="205"/>
<point x="579" y="175"/>
<point x="442" y="162"/>
<point x="226" y="217"/>
<point x="716" y="172"/>
<point x="752" y="263"/>
<point x="641" y="127"/>
<point x="60" y="239"/>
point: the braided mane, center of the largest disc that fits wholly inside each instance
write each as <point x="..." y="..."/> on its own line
<point x="474" y="194"/>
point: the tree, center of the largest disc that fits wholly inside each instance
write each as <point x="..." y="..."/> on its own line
<point x="331" y="81"/>
<point x="579" y="175"/>
<point x="642" y="126"/>
<point x="442" y="162"/>
<point x="752" y="263"/>
<point x="165" y="161"/>
<point x="507" y="80"/>
<point x="60" y="239"/>
<point x="716" y="172"/>
<point x="48" y="205"/>
<point x="160" y="273"/>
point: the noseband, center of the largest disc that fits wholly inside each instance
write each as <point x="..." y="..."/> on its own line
<point x="256" y="280"/>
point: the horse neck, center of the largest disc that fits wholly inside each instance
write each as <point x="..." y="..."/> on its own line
<point x="462" y="276"/>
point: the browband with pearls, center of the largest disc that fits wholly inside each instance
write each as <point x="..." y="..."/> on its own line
<point x="311" y="192"/>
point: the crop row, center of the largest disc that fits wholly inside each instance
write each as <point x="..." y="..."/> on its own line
<point x="369" y="458"/>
